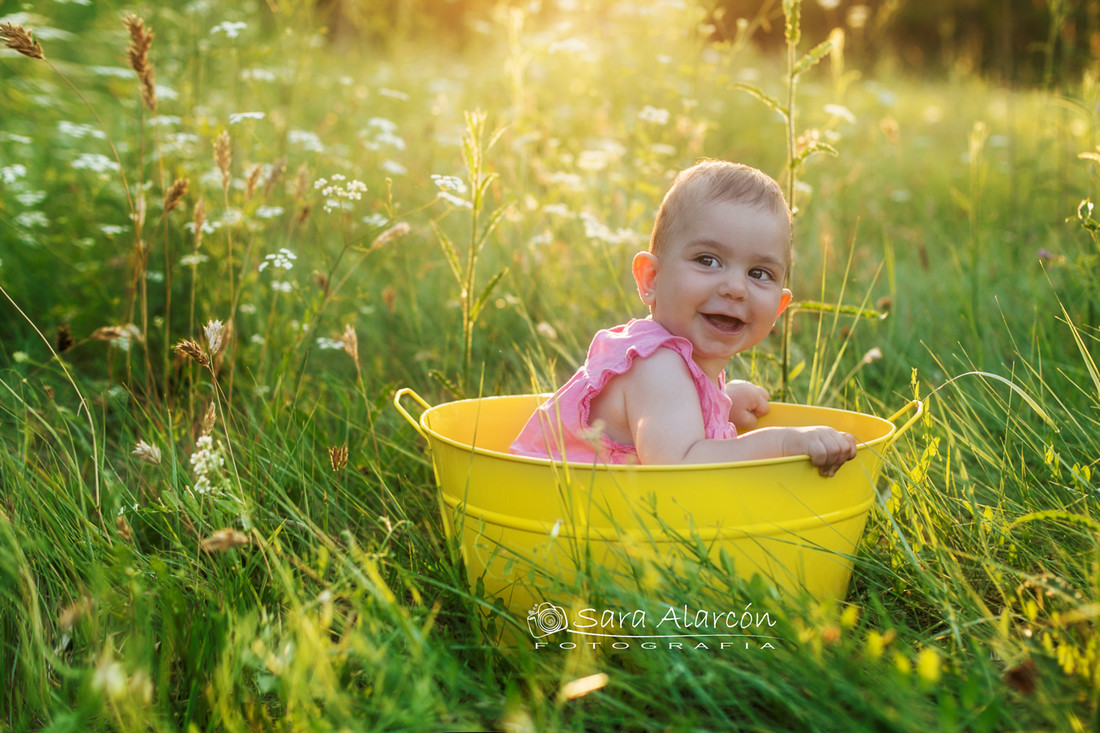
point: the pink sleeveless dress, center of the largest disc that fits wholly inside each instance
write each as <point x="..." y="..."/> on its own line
<point x="563" y="420"/>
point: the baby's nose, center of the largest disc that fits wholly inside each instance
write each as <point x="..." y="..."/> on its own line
<point x="733" y="285"/>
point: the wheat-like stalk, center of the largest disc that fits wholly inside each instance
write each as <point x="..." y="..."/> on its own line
<point x="252" y="180"/>
<point x="209" y="419"/>
<point x="351" y="343"/>
<point x="138" y="52"/>
<point x="18" y="38"/>
<point x="301" y="182"/>
<point x="198" y="218"/>
<point x="223" y="156"/>
<point x="175" y="194"/>
<point x="277" y="171"/>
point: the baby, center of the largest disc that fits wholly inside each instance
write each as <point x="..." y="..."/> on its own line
<point x="653" y="391"/>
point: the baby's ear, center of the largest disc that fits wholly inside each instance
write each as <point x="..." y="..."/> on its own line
<point x="784" y="301"/>
<point x="644" y="268"/>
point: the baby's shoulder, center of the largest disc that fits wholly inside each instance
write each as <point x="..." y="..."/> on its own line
<point x="663" y="367"/>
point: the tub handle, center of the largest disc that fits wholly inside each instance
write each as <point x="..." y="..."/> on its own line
<point x="405" y="413"/>
<point x="917" y="405"/>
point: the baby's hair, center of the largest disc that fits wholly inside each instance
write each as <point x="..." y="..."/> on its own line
<point x="709" y="182"/>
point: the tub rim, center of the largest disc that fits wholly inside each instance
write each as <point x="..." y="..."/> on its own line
<point x="430" y="434"/>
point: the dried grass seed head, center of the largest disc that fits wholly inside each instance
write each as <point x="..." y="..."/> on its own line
<point x="277" y="170"/>
<point x="64" y="340"/>
<point x="124" y="529"/>
<point x="21" y="40"/>
<point x="175" y="194"/>
<point x="215" y="336"/>
<point x="338" y="456"/>
<point x="116" y="334"/>
<point x="138" y="53"/>
<point x="252" y="180"/>
<point x="147" y="453"/>
<point x="223" y="539"/>
<point x="397" y="231"/>
<point x="73" y="613"/>
<point x="198" y="219"/>
<point x="223" y="156"/>
<point x="209" y="418"/>
<point x="351" y="342"/>
<point x="190" y="349"/>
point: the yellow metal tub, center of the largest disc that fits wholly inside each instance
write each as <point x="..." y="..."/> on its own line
<point x="524" y="522"/>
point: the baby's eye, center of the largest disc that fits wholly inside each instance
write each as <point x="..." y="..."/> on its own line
<point x="759" y="273"/>
<point x="707" y="260"/>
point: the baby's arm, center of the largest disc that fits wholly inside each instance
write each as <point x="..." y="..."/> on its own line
<point x="666" y="422"/>
<point x="749" y="402"/>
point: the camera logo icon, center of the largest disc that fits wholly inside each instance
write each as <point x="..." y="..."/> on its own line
<point x="545" y="619"/>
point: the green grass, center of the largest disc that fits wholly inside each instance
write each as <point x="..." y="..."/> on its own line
<point x="974" y="600"/>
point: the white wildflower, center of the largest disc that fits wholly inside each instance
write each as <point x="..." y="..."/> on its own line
<point x="95" y="162"/>
<point x="557" y="210"/>
<point x="655" y="115"/>
<point x="308" y="140"/>
<point x="207" y="462"/>
<point x="394" y="168"/>
<point x="839" y="110"/>
<point x="592" y="160"/>
<point x="269" y="212"/>
<point x="381" y="124"/>
<point x="32" y="220"/>
<point x="230" y="29"/>
<point x="79" y="131"/>
<point x="118" y="72"/>
<point x="455" y="200"/>
<point x="595" y="229"/>
<point x="570" y="181"/>
<point x="281" y="260"/>
<point x="193" y="260"/>
<point x="571" y="46"/>
<point x="542" y="239"/>
<point x="259" y="75"/>
<point x="449" y="183"/>
<point x="282" y="286"/>
<point x="240" y="116"/>
<point x="9" y="174"/>
<point x="338" y="191"/>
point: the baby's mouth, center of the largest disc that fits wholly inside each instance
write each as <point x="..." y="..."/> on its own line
<point x="727" y="324"/>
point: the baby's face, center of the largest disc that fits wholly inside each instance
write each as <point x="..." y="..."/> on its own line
<point x="719" y="280"/>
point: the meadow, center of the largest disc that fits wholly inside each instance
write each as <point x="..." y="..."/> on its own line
<point x="227" y="241"/>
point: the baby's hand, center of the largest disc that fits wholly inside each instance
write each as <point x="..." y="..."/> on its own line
<point x="827" y="448"/>
<point x="749" y="403"/>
